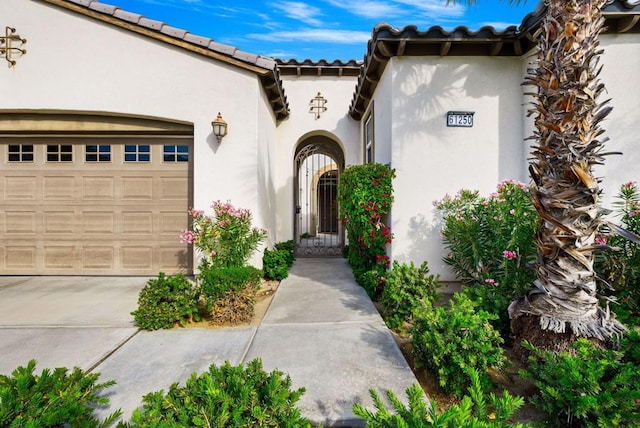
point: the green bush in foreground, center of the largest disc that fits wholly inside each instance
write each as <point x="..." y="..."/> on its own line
<point x="593" y="388"/>
<point x="406" y="287"/>
<point x="54" y="399"/>
<point x="275" y="264"/>
<point x="451" y="339"/>
<point x="472" y="412"/>
<point x="166" y="300"/>
<point x="225" y="396"/>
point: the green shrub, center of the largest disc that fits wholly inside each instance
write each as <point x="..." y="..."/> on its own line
<point x="491" y="242"/>
<point x="593" y="388"/>
<point x="619" y="264"/>
<point x="630" y="347"/>
<point x="472" y="412"/>
<point x="53" y="399"/>
<point x="365" y="196"/>
<point x="288" y="246"/>
<point x="229" y="293"/>
<point x="165" y="301"/>
<point x="275" y="264"/>
<point x="225" y="396"/>
<point x="451" y="339"/>
<point x="405" y="288"/>
<point x="373" y="281"/>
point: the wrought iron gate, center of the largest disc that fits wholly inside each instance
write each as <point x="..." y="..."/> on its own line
<point x="317" y="228"/>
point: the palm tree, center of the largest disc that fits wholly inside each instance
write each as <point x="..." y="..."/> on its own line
<point x="564" y="304"/>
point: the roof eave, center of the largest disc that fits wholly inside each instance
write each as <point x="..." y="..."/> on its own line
<point x="265" y="68"/>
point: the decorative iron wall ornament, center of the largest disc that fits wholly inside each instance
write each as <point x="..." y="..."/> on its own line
<point x="318" y="105"/>
<point x="11" y="43"/>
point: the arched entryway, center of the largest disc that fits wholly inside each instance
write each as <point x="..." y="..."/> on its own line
<point x="318" y="163"/>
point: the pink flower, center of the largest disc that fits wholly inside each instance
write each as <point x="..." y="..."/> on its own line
<point x="187" y="237"/>
<point x="213" y="254"/>
<point x="629" y="184"/>
<point x="601" y="240"/>
<point x="509" y="255"/>
<point x="512" y="211"/>
<point x="196" y="213"/>
<point x="634" y="213"/>
<point x="491" y="281"/>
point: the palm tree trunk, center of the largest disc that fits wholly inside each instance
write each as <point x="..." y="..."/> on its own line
<point x="567" y="146"/>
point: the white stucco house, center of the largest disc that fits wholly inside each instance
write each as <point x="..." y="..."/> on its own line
<point x="106" y="135"/>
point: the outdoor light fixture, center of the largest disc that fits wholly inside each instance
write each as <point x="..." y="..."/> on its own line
<point x="7" y="46"/>
<point x="219" y="127"/>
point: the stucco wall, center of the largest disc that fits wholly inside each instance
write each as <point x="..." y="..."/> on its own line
<point x="432" y="159"/>
<point x="301" y="124"/>
<point x="79" y="64"/>
<point x="621" y="68"/>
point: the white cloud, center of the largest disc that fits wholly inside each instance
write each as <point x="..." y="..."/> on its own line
<point x="300" y="11"/>
<point x="435" y="8"/>
<point x="370" y="9"/>
<point x="315" y="35"/>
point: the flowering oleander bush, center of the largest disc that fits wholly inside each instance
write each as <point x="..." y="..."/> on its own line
<point x="365" y="195"/>
<point x="619" y="265"/>
<point x="227" y="238"/>
<point x="490" y="241"/>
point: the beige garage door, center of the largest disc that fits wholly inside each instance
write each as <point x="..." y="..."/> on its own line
<point x="102" y="206"/>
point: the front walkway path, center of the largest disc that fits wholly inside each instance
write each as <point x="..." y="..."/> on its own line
<point x="321" y="329"/>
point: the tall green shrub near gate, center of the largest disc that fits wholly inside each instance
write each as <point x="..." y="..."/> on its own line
<point x="365" y="196"/>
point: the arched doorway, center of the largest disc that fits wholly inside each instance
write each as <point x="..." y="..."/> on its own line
<point x="318" y="163"/>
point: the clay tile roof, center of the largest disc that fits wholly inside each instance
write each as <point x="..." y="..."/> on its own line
<point x="264" y="67"/>
<point x="319" y="68"/>
<point x="387" y="42"/>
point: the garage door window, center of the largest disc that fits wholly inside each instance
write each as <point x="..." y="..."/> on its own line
<point x="20" y="153"/>
<point x="98" y="153"/>
<point x="137" y="153"/>
<point x="59" y="153"/>
<point x="176" y="153"/>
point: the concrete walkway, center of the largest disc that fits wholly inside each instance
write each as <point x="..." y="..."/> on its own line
<point x="321" y="329"/>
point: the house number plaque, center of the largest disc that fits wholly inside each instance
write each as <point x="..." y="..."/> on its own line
<point x="462" y="119"/>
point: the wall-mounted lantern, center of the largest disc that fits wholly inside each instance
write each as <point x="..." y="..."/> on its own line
<point x="11" y="43"/>
<point x="219" y="127"/>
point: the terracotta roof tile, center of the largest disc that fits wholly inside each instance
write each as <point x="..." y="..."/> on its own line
<point x="197" y="40"/>
<point x="178" y="33"/>
<point x="127" y="16"/>
<point x="151" y="24"/>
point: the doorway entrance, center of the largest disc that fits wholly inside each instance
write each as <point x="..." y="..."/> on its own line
<point x="319" y="161"/>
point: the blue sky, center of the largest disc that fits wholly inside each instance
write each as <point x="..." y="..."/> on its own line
<point x="319" y="29"/>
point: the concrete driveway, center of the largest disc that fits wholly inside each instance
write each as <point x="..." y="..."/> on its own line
<point x="321" y="329"/>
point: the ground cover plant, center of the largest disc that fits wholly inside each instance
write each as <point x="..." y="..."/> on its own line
<point x="225" y="396"/>
<point x="589" y="387"/>
<point x="166" y="301"/>
<point x="477" y="409"/>
<point x="448" y="340"/>
<point x="228" y="294"/>
<point x="52" y="399"/>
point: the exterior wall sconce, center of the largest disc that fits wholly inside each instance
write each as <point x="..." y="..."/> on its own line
<point x="219" y="127"/>
<point x="6" y="45"/>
